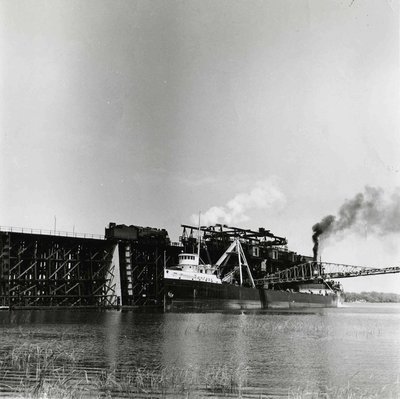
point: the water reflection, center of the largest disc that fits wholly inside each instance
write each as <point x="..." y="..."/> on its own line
<point x="203" y="340"/>
<point x="113" y="325"/>
<point x="273" y="352"/>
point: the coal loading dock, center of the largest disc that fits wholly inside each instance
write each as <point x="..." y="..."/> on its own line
<point x="40" y="269"/>
<point x="125" y="267"/>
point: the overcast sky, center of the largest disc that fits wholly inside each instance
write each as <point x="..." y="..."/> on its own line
<point x="258" y="113"/>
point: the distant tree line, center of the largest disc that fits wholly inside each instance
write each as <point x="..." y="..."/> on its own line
<point x="370" y="297"/>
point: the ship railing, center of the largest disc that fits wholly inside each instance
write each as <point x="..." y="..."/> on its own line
<point x="11" y="229"/>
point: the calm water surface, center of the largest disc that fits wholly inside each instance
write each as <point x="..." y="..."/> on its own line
<point x="275" y="354"/>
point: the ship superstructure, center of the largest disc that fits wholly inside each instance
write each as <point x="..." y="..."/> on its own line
<point x="189" y="268"/>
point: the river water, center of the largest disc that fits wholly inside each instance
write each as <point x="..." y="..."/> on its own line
<point x="352" y="351"/>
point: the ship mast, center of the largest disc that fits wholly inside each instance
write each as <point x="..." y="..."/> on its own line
<point x="199" y="239"/>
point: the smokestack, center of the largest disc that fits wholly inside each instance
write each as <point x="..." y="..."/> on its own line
<point x="315" y="247"/>
<point x="323" y="227"/>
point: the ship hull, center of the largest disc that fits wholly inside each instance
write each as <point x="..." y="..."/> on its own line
<point x="183" y="294"/>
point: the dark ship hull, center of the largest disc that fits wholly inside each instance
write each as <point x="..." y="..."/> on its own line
<point x="183" y="294"/>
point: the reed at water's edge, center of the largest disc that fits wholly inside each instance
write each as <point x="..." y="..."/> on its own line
<point x="34" y="371"/>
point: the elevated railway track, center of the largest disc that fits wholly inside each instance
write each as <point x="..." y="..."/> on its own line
<point x="311" y="271"/>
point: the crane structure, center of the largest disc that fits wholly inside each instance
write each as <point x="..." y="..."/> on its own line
<point x="311" y="271"/>
<point x="224" y="232"/>
<point x="235" y="249"/>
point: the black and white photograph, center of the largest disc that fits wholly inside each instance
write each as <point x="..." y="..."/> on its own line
<point x="200" y="199"/>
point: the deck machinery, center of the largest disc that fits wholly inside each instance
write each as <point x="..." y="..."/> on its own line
<point x="265" y="252"/>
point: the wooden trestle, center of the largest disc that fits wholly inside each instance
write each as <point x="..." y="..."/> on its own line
<point x="48" y="270"/>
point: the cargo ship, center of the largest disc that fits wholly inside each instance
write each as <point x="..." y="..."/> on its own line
<point x="229" y="282"/>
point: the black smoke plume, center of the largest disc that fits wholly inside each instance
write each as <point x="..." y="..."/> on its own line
<point x="369" y="212"/>
<point x="323" y="227"/>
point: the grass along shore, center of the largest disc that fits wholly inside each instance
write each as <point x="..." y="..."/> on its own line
<point x="32" y="371"/>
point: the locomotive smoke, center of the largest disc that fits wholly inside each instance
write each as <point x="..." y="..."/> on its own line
<point x="371" y="211"/>
<point x="265" y="194"/>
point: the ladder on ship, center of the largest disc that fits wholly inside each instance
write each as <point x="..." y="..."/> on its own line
<point x="322" y="270"/>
